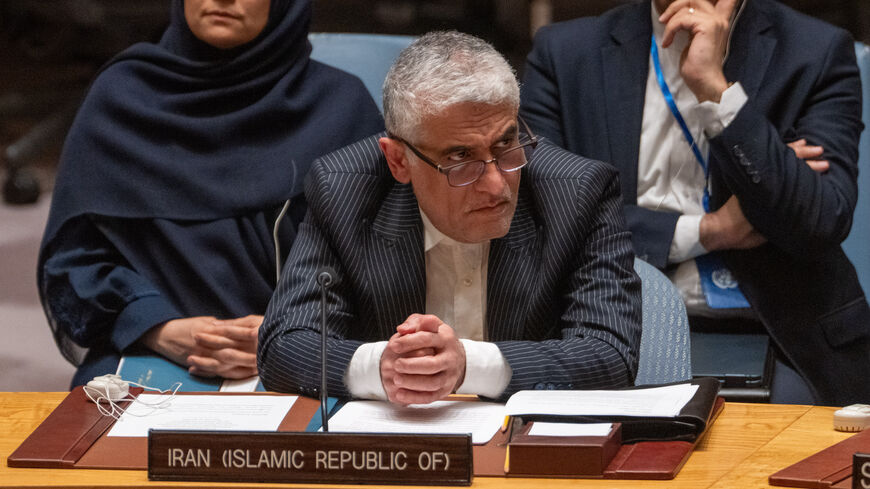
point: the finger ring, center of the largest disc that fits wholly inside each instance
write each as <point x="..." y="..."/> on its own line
<point x="691" y="10"/>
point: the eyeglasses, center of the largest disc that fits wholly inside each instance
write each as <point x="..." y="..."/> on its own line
<point x="507" y="160"/>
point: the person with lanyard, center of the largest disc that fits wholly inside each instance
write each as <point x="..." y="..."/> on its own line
<point x="735" y="127"/>
<point x="172" y="177"/>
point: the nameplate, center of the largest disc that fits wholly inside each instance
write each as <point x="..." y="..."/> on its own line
<point x="342" y="458"/>
<point x="861" y="471"/>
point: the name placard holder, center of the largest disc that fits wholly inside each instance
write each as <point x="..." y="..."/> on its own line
<point x="343" y="458"/>
<point x="861" y="471"/>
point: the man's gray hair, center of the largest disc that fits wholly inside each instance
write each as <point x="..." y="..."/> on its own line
<point x="441" y="69"/>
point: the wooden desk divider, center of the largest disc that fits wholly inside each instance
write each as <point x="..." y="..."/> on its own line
<point x="831" y="467"/>
<point x="66" y="434"/>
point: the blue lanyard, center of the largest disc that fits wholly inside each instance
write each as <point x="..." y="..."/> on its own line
<point x="654" y="51"/>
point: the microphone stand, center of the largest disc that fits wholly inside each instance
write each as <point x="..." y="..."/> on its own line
<point x="325" y="278"/>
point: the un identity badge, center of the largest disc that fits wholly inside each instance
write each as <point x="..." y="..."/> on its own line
<point x="723" y="279"/>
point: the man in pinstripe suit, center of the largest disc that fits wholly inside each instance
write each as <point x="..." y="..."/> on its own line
<point x="456" y="275"/>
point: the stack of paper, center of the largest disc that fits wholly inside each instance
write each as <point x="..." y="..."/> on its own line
<point x="481" y="419"/>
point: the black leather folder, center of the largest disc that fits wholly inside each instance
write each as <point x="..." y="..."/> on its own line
<point x="685" y="426"/>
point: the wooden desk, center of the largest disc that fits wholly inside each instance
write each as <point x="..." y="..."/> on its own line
<point x="746" y="444"/>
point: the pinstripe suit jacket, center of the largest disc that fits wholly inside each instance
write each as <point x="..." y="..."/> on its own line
<point x="563" y="301"/>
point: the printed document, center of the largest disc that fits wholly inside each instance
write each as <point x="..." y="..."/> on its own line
<point x="570" y="429"/>
<point x="206" y="412"/>
<point x="481" y="419"/>
<point x="665" y="402"/>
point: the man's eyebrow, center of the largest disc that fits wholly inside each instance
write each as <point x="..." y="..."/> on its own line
<point x="454" y="149"/>
<point x="510" y="132"/>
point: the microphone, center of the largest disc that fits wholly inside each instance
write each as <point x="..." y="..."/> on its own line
<point x="326" y="278"/>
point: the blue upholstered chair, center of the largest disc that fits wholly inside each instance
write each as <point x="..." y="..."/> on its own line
<point x="368" y="56"/>
<point x="665" y="354"/>
<point x="857" y="245"/>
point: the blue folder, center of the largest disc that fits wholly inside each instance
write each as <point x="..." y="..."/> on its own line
<point x="158" y="372"/>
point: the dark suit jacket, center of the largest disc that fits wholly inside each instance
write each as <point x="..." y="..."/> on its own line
<point x="584" y="88"/>
<point x="563" y="301"/>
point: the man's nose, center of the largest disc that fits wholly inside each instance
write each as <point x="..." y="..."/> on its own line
<point x="492" y="181"/>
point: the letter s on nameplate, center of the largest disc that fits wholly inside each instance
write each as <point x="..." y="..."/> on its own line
<point x="212" y="456"/>
<point x="861" y="471"/>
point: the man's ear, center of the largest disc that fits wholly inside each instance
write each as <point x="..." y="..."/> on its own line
<point x="394" y="151"/>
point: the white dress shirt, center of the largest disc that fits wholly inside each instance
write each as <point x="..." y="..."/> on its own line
<point x="456" y="293"/>
<point x="669" y="177"/>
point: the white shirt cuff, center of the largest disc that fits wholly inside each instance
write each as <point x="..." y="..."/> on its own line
<point x="717" y="116"/>
<point x="363" y="376"/>
<point x="687" y="239"/>
<point x="487" y="372"/>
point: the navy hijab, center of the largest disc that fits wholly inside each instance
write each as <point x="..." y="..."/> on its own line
<point x="183" y="131"/>
<point x="168" y="129"/>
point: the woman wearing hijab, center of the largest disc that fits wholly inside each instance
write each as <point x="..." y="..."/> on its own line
<point x="172" y="178"/>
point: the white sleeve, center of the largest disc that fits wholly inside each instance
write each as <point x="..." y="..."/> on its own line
<point x="487" y="372"/>
<point x="687" y="239"/>
<point x="717" y="116"/>
<point x="363" y="376"/>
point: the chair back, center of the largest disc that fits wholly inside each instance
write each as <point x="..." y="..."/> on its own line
<point x="665" y="353"/>
<point x="368" y="56"/>
<point x="857" y="244"/>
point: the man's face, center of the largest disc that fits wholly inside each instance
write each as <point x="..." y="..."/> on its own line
<point x="226" y="24"/>
<point x="468" y="131"/>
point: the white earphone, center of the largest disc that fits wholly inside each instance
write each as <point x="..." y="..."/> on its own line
<point x="111" y="389"/>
